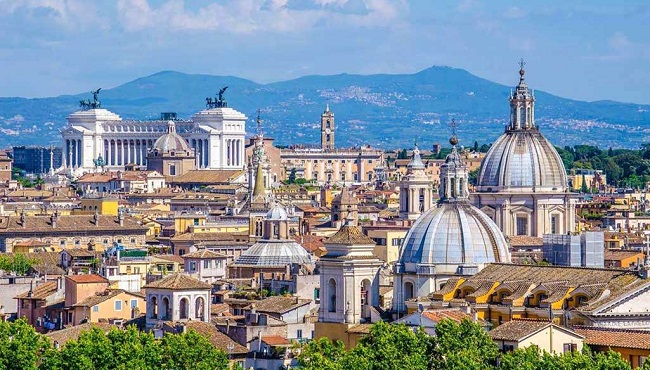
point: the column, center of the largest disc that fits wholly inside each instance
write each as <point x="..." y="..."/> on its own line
<point x="206" y="154"/>
<point x="124" y="159"/>
<point x="228" y="152"/>
<point x="73" y="153"/>
<point x="66" y="154"/>
<point x="109" y="152"/>
<point x="79" y="154"/>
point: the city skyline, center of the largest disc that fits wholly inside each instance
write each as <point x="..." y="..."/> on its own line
<point x="583" y="50"/>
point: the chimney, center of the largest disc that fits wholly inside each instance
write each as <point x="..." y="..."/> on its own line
<point x="23" y="218"/>
<point x="59" y="283"/>
<point x="96" y="218"/>
<point x="120" y="218"/>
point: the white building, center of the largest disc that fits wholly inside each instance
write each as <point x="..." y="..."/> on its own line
<point x="177" y="297"/>
<point x="216" y="134"/>
<point x="206" y="265"/>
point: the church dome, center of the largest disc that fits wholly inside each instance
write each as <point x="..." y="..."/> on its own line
<point x="171" y="141"/>
<point x="522" y="160"/>
<point x="454" y="238"/>
<point x="274" y="253"/>
<point x="277" y="213"/>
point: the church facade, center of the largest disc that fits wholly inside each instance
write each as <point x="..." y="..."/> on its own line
<point x="96" y="137"/>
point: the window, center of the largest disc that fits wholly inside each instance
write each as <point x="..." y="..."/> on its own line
<point x="332" y="294"/>
<point x="77" y="242"/>
<point x="95" y="308"/>
<point x="134" y="303"/>
<point x="508" y="348"/>
<point x="132" y="240"/>
<point x="70" y="317"/>
<point x="299" y="333"/>
<point x="172" y="170"/>
<point x="206" y="264"/>
<point x="397" y="242"/>
<point x="193" y="266"/>
<point x="105" y="241"/>
<point x="136" y="270"/>
<point x="522" y="225"/>
<point x="570" y="347"/>
<point x="316" y="294"/>
<point x="554" y="224"/>
<point x="118" y="305"/>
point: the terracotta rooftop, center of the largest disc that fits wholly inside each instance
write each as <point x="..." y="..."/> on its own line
<point x="454" y="314"/>
<point x="204" y="254"/>
<point x="279" y="304"/>
<point x="40" y="291"/>
<point x="206" y="177"/>
<point x="637" y="339"/>
<point x="310" y="242"/>
<point x="360" y="329"/>
<point x="73" y="332"/>
<point x="217" y="338"/>
<point x="170" y="258"/>
<point x="619" y="255"/>
<point x="275" y="340"/>
<point x="87" y="278"/>
<point x="101" y="297"/>
<point x="179" y="281"/>
<point x="350" y="235"/>
<point x="76" y="223"/>
<point x="518" y="241"/>
<point x="517" y="330"/>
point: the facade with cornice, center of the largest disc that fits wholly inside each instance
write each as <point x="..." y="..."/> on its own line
<point x="97" y="137"/>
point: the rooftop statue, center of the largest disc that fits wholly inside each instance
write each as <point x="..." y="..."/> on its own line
<point x="217" y="102"/>
<point x="94" y="104"/>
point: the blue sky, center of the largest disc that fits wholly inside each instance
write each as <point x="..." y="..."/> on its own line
<point x="587" y="50"/>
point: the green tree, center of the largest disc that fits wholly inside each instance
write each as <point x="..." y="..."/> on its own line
<point x="462" y="346"/>
<point x="584" y="189"/>
<point x="21" y="347"/>
<point x="17" y="263"/>
<point x="475" y="146"/>
<point x="292" y="176"/>
<point x="322" y="354"/>
<point x="390" y="346"/>
<point x="191" y="351"/>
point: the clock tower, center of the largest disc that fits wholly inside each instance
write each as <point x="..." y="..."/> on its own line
<point x="327" y="129"/>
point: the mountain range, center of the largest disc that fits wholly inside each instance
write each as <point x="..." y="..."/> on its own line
<point x="386" y="111"/>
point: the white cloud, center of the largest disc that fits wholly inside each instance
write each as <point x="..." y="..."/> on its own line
<point x="248" y="16"/>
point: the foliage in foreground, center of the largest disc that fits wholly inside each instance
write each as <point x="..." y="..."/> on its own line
<point x="21" y="347"/>
<point x="456" y="346"/>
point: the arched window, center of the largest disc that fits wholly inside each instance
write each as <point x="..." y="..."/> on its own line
<point x="184" y="309"/>
<point x="408" y="290"/>
<point x="153" y="308"/>
<point x="166" y="309"/>
<point x="365" y="298"/>
<point x="331" y="289"/>
<point x="200" y="309"/>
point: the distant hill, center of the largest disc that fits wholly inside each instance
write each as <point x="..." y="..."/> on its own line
<point x="383" y="110"/>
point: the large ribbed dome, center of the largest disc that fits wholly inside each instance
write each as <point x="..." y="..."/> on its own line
<point x="522" y="160"/>
<point x="451" y="236"/>
<point x="171" y="141"/>
<point x="274" y="253"/>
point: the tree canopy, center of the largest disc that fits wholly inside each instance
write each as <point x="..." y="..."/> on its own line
<point x="21" y="347"/>
<point x="456" y="346"/>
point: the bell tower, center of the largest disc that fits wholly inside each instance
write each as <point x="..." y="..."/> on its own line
<point x="327" y="129"/>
